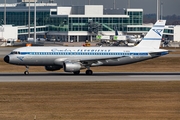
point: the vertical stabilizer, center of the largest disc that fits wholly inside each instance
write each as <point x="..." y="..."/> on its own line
<point x="154" y="36"/>
<point x="116" y="30"/>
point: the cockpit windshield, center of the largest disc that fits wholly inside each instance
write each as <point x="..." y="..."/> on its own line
<point x="15" y="52"/>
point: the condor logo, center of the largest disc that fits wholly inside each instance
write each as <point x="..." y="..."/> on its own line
<point x="158" y="31"/>
<point x="20" y="58"/>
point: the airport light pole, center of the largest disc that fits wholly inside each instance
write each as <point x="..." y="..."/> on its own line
<point x="157" y="10"/>
<point x="29" y="21"/>
<point x="35" y="21"/>
<point x="114" y="4"/>
<point x="128" y="3"/>
<point x="4" y="12"/>
<point x="161" y="10"/>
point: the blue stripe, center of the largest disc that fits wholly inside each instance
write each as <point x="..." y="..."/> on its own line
<point x="151" y="39"/>
<point x="164" y="53"/>
<point x="86" y="53"/>
<point x="114" y="54"/>
<point x="159" y="26"/>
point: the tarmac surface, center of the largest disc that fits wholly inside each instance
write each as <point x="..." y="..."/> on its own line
<point x="96" y="77"/>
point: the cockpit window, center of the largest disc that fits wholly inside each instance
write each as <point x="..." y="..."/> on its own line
<point x="15" y="52"/>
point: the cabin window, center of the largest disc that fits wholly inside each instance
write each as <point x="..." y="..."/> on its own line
<point x="15" y="52"/>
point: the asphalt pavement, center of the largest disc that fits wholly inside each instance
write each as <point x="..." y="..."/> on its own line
<point x="96" y="77"/>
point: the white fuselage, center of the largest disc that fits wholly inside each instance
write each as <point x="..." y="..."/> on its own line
<point x="104" y="56"/>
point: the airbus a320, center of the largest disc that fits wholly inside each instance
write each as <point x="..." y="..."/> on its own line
<point x="73" y="59"/>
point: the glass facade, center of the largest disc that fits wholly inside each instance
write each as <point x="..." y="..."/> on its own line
<point x="101" y="23"/>
<point x="63" y="23"/>
<point x="168" y="31"/>
<point x="58" y="23"/>
<point x="32" y="30"/>
<point x="136" y="18"/>
<point x="43" y="18"/>
<point x="20" y="18"/>
<point x="138" y="29"/>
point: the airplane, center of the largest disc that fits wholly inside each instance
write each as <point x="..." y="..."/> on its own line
<point x="31" y="40"/>
<point x="38" y="40"/>
<point x="73" y="59"/>
<point x="129" y="38"/>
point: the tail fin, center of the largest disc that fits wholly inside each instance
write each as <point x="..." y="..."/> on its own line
<point x="154" y="36"/>
<point x="116" y="31"/>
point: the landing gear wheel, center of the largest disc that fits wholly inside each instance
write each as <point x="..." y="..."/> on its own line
<point x="26" y="72"/>
<point x="89" y="72"/>
<point x="76" y="73"/>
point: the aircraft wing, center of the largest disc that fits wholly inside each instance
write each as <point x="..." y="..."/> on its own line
<point x="84" y="61"/>
<point x="95" y="59"/>
<point x="97" y="62"/>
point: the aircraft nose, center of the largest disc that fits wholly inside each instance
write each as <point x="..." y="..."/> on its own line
<point x="6" y="59"/>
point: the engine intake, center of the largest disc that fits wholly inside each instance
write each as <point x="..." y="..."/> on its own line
<point x="71" y="67"/>
<point x="53" y="68"/>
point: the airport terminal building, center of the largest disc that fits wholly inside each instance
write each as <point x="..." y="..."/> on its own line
<point x="77" y="23"/>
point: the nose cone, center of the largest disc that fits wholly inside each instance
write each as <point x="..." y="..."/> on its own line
<point x="6" y="59"/>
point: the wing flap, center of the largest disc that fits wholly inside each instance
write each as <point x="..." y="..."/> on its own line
<point x="96" y="59"/>
<point x="86" y="61"/>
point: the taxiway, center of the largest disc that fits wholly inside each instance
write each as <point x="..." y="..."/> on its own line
<point x="99" y="77"/>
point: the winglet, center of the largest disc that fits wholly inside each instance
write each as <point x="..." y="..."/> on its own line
<point x="154" y="36"/>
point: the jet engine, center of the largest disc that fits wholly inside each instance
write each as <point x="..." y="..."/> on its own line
<point x="71" y="67"/>
<point x="53" y="67"/>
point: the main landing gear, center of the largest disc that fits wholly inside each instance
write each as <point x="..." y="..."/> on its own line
<point x="88" y="71"/>
<point x="26" y="72"/>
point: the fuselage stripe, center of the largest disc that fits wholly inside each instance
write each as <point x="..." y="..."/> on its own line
<point x="151" y="39"/>
<point x="86" y="53"/>
<point x="159" y="26"/>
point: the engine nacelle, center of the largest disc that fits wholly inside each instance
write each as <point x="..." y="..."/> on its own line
<point x="71" y="67"/>
<point x="53" y="67"/>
